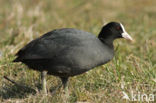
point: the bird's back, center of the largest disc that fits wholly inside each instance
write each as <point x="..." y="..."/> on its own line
<point x="65" y="52"/>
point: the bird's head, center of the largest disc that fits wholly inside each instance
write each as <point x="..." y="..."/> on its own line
<point x="112" y="31"/>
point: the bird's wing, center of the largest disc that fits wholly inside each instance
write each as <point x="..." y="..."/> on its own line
<point x="50" y="45"/>
<point x="45" y="47"/>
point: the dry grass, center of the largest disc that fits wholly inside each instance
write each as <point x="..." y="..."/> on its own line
<point x="132" y="69"/>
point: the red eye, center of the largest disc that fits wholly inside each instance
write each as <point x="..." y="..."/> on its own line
<point x="118" y="27"/>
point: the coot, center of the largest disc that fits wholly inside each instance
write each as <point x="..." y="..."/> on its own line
<point x="68" y="52"/>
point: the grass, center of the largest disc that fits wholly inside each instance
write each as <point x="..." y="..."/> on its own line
<point x="132" y="69"/>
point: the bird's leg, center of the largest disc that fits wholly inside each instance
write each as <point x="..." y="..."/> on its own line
<point x="43" y="78"/>
<point x="65" y="87"/>
<point x="64" y="82"/>
<point x="57" y="88"/>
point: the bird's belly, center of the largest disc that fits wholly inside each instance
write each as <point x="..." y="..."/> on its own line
<point x="63" y="71"/>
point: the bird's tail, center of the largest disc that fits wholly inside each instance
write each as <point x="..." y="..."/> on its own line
<point x="16" y="59"/>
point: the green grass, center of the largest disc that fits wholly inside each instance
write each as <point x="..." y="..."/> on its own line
<point x="132" y="69"/>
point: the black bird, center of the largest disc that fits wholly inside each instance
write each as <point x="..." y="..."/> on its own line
<point x="68" y="52"/>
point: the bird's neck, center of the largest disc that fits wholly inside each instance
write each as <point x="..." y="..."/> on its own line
<point x="107" y="41"/>
<point x="105" y="37"/>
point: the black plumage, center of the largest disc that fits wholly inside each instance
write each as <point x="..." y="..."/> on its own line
<point x="68" y="52"/>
